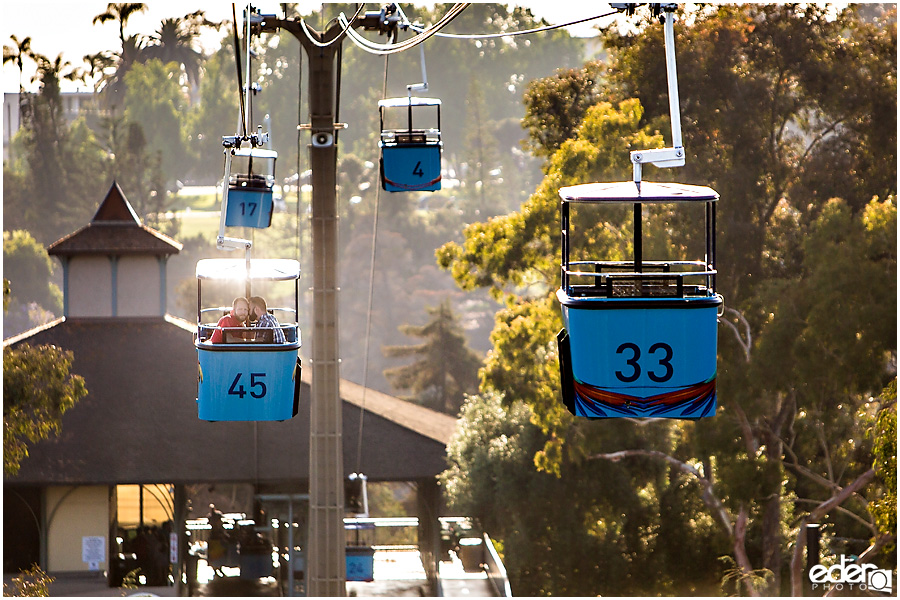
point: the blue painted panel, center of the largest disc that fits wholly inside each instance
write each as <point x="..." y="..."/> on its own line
<point x="360" y="563"/>
<point x="249" y="208"/>
<point x="643" y="361"/>
<point x="411" y="168"/>
<point x="250" y="385"/>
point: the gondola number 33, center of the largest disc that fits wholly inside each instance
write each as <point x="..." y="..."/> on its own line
<point x="661" y="352"/>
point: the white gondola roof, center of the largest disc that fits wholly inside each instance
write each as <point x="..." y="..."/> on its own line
<point x="630" y="192"/>
<point x="255" y="152"/>
<point x="270" y="269"/>
<point x="406" y="101"/>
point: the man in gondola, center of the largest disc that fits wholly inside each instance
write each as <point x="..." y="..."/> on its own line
<point x="238" y="317"/>
<point x="270" y="330"/>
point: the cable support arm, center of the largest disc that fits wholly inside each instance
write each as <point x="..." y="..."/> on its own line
<point x="674" y="156"/>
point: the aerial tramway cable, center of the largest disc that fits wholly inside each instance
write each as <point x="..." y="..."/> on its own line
<point x="483" y="36"/>
<point x="362" y="410"/>
<point x="237" y="62"/>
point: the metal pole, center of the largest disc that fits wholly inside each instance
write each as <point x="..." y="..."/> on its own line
<point x="813" y="534"/>
<point x="326" y="567"/>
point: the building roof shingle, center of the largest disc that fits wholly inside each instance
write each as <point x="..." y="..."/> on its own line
<point x="139" y="422"/>
<point x="115" y="229"/>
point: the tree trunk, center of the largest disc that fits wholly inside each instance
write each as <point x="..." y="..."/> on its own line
<point x="740" y="551"/>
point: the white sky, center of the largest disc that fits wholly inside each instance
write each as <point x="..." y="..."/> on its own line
<point x="64" y="26"/>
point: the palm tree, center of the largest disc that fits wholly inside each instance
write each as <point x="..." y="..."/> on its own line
<point x="97" y="64"/>
<point x="121" y="12"/>
<point x="50" y="72"/>
<point x="174" y="42"/>
<point x="17" y="54"/>
<point x="112" y="85"/>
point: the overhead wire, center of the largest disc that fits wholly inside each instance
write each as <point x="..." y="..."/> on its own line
<point x="382" y="49"/>
<point x="362" y="408"/>
<point x="482" y="36"/>
<point x="237" y="60"/>
<point x="347" y="28"/>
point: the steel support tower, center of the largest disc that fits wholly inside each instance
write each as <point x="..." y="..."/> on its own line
<point x="326" y="568"/>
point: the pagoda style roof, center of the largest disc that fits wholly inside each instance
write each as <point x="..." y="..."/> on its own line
<point x="115" y="229"/>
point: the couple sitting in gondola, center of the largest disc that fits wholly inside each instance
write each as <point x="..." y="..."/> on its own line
<point x="248" y="314"/>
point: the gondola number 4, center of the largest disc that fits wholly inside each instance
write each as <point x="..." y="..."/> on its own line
<point x="257" y="386"/>
<point x="633" y="354"/>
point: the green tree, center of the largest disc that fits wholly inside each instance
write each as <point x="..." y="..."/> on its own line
<point x="215" y="115"/>
<point x="29" y="270"/>
<point x="446" y="368"/>
<point x="885" y="508"/>
<point x="50" y="207"/>
<point x="114" y="86"/>
<point x="175" y="41"/>
<point x="795" y="385"/>
<point x="138" y="171"/>
<point x="785" y="69"/>
<point x="156" y="102"/>
<point x="555" y="106"/>
<point x="97" y="64"/>
<point x="120" y="12"/>
<point x="38" y="388"/>
<point x="17" y="53"/>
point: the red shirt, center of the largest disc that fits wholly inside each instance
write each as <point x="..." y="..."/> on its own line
<point x="228" y="320"/>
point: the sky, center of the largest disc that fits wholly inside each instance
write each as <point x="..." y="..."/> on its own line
<point x="64" y="26"/>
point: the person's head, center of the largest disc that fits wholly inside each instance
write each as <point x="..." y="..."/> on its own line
<point x="240" y="308"/>
<point x="257" y="306"/>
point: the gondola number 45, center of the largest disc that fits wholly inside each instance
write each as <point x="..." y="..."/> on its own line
<point x="633" y="354"/>
<point x="257" y="386"/>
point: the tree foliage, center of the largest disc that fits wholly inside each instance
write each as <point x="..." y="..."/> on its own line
<point x="29" y="269"/>
<point x="155" y="101"/>
<point x="38" y="388"/>
<point x="33" y="297"/>
<point x="808" y="337"/>
<point x="50" y="207"/>
<point x="446" y="368"/>
<point x="884" y="508"/>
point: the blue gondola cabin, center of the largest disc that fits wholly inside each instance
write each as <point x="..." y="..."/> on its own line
<point x="639" y="337"/>
<point x="249" y="376"/>
<point x="249" y="200"/>
<point x="410" y="156"/>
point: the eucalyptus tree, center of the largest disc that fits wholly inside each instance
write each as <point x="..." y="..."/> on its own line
<point x="807" y="342"/>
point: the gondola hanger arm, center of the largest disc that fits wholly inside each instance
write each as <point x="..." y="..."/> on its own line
<point x="662" y="157"/>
